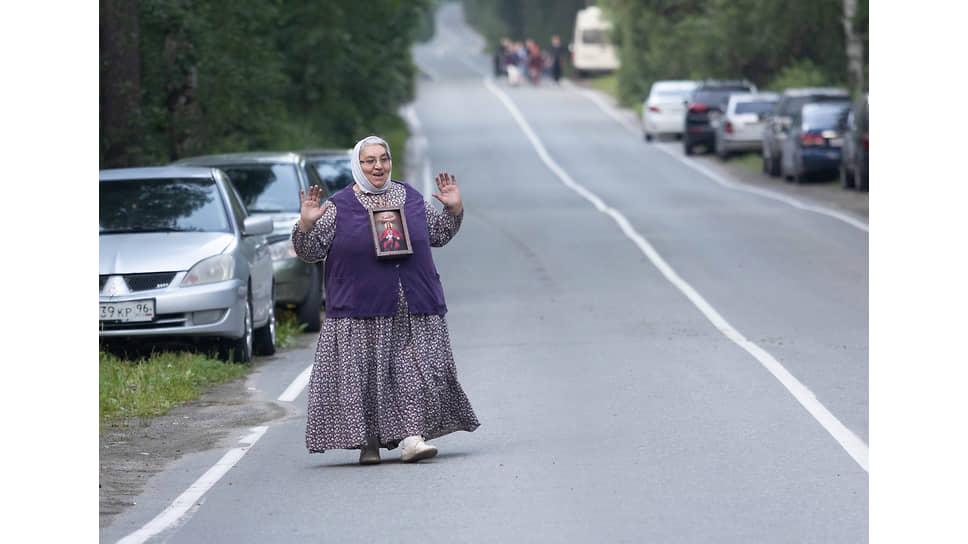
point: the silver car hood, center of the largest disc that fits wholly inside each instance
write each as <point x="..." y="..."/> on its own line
<point x="158" y="251"/>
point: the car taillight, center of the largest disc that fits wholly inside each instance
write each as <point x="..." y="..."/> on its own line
<point x="654" y="109"/>
<point x="808" y="139"/>
<point x="864" y="141"/>
<point x="698" y="108"/>
<point x="728" y="127"/>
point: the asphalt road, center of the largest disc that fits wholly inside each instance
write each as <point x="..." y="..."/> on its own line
<point x="654" y="356"/>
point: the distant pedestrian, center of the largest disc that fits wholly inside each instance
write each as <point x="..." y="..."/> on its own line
<point x="535" y="62"/>
<point x="383" y="374"/>
<point x="556" y="52"/>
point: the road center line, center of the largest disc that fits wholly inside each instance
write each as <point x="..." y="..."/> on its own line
<point x="854" y="446"/>
<point x="184" y="502"/>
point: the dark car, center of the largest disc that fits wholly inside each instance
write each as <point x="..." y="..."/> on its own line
<point x="332" y="166"/>
<point x="778" y="121"/>
<point x="813" y="142"/>
<point x="269" y="183"/>
<point x="704" y="107"/>
<point x="854" y="161"/>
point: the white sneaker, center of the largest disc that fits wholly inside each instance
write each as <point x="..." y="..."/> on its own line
<point x="413" y="448"/>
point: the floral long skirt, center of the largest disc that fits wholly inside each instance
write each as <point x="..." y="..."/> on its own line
<point x="386" y="378"/>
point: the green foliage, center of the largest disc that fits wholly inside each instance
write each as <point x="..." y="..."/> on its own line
<point x="152" y="385"/>
<point x="221" y="76"/>
<point x="288" y="328"/>
<point x="802" y="73"/>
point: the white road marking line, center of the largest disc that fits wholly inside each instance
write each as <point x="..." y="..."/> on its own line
<point x="854" y="446"/>
<point x="176" y="511"/>
<point x="297" y="385"/>
<point x="610" y="111"/>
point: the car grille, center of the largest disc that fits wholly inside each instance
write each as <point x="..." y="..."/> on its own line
<point x="143" y="282"/>
<point x="161" y="321"/>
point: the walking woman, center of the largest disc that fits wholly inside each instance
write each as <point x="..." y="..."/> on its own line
<point x="384" y="374"/>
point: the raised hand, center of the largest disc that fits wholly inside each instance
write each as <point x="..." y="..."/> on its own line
<point x="449" y="195"/>
<point x="309" y="210"/>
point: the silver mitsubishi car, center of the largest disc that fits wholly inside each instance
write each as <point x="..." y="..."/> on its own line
<point x="180" y="257"/>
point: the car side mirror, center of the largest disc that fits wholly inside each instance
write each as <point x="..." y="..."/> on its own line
<point x="256" y="225"/>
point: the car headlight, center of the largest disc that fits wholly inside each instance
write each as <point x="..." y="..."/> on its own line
<point x="282" y="250"/>
<point x="210" y="270"/>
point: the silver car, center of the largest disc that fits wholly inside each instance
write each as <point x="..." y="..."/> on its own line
<point x="269" y="184"/>
<point x="180" y="257"/>
<point x="740" y="129"/>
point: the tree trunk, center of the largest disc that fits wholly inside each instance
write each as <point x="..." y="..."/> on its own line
<point x="183" y="109"/>
<point x="855" y="50"/>
<point x="120" y="82"/>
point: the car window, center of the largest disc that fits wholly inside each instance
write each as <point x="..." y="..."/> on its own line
<point x="266" y="188"/>
<point x="754" y="107"/>
<point x="823" y="116"/>
<point x="161" y="205"/>
<point x="593" y="35"/>
<point x="334" y="171"/>
<point x="314" y="178"/>
<point x="717" y="96"/>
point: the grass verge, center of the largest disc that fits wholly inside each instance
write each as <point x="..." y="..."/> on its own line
<point x="152" y="385"/>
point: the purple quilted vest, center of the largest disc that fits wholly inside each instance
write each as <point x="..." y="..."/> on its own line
<point x="360" y="285"/>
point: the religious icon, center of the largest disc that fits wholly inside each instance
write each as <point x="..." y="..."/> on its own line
<point x="390" y="235"/>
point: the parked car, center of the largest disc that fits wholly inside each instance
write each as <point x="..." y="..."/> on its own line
<point x="741" y="126"/>
<point x="332" y="166"/>
<point x="269" y="183"/>
<point x="591" y="51"/>
<point x="180" y="257"/>
<point x="778" y="121"/>
<point x="704" y="107"/>
<point x="854" y="160"/>
<point x="664" y="111"/>
<point x="813" y="143"/>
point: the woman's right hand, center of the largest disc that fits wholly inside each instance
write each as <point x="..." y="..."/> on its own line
<point x="309" y="210"/>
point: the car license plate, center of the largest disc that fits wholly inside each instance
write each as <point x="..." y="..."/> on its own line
<point x="128" y="311"/>
<point x="836" y="142"/>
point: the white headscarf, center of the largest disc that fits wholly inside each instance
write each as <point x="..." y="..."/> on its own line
<point x="358" y="175"/>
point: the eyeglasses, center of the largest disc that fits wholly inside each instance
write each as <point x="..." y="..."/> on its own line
<point x="371" y="162"/>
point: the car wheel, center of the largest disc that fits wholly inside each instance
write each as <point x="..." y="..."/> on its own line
<point x="648" y="137"/>
<point x="766" y="165"/>
<point x="687" y="147"/>
<point x="240" y="349"/>
<point x="846" y="179"/>
<point x="265" y="336"/>
<point x="860" y="181"/>
<point x="308" y="311"/>
<point x="721" y="151"/>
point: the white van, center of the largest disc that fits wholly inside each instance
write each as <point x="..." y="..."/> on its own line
<point x="591" y="51"/>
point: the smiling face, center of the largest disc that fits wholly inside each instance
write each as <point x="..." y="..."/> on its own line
<point x="375" y="163"/>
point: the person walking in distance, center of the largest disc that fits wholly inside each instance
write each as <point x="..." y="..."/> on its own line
<point x="556" y="53"/>
<point x="384" y="374"/>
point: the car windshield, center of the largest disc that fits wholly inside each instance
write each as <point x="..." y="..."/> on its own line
<point x="335" y="171"/>
<point x="754" y="107"/>
<point x="794" y="104"/>
<point x="823" y="116"/>
<point x="266" y="188"/>
<point x="716" y="96"/>
<point x="593" y="35"/>
<point x="681" y="94"/>
<point x="161" y="205"/>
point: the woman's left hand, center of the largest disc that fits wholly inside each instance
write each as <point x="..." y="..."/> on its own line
<point x="449" y="195"/>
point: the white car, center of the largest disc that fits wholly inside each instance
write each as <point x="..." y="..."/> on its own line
<point x="740" y="128"/>
<point x="664" y="111"/>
